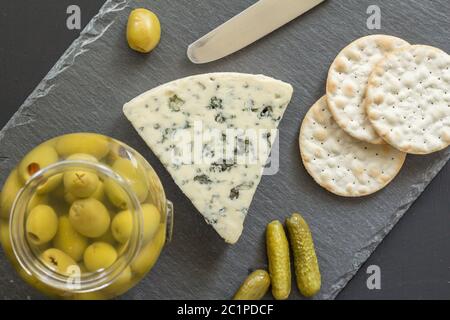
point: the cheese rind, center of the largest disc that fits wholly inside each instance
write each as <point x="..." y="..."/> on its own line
<point x="220" y="187"/>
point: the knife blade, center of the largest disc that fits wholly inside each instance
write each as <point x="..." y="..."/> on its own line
<point x="252" y="24"/>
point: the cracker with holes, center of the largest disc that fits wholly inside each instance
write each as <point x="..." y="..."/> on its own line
<point x="408" y="99"/>
<point x="347" y="82"/>
<point x="340" y="163"/>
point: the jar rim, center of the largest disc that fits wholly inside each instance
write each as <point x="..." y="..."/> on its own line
<point x="36" y="267"/>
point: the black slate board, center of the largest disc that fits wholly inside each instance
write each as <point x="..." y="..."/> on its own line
<point x="86" y="89"/>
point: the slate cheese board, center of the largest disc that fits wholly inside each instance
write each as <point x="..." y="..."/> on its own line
<point x="98" y="73"/>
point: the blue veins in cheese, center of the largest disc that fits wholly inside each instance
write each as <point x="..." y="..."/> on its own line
<point x="209" y="131"/>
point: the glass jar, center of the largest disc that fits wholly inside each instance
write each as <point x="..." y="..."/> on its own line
<point x="84" y="216"/>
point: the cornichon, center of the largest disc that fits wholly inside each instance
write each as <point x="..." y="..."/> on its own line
<point x="279" y="263"/>
<point x="305" y="259"/>
<point x="254" y="287"/>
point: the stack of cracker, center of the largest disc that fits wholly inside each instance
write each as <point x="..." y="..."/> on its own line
<point x="384" y="98"/>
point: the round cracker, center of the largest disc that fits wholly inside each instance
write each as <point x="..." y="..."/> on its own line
<point x="340" y="163"/>
<point x="347" y="82"/>
<point x="408" y="99"/>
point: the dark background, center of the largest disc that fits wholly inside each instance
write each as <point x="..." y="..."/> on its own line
<point x="414" y="258"/>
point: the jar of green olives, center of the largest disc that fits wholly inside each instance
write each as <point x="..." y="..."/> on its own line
<point x="83" y="216"/>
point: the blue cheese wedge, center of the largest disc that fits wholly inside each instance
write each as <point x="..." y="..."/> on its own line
<point x="206" y="130"/>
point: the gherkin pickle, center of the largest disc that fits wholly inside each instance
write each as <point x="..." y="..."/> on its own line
<point x="279" y="263"/>
<point x="254" y="287"/>
<point x="305" y="260"/>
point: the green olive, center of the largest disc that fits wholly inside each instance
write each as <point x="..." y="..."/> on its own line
<point x="118" y="151"/>
<point x="42" y="224"/>
<point x="135" y="176"/>
<point x="121" y="284"/>
<point x="12" y="186"/>
<point x="70" y="198"/>
<point x="98" y="194"/>
<point x="82" y="156"/>
<point x="58" y="261"/>
<point x="37" y="199"/>
<point x="121" y="248"/>
<point x="50" y="184"/>
<point x="89" y="217"/>
<point x="143" y="30"/>
<point x="152" y="218"/>
<point x="37" y="159"/>
<point x="99" y="255"/>
<point x="122" y="226"/>
<point x="80" y="184"/>
<point x="149" y="253"/>
<point x="116" y="195"/>
<point x="90" y="143"/>
<point x="67" y="239"/>
<point x="90" y="296"/>
<point x="83" y="268"/>
<point x="5" y="239"/>
<point x="41" y="287"/>
<point x="107" y="237"/>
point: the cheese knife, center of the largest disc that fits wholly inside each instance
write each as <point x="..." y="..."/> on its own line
<point x="252" y="24"/>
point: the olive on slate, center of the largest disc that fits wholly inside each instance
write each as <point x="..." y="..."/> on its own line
<point x="90" y="143"/>
<point x="67" y="239"/>
<point x="59" y="261"/>
<point x="80" y="183"/>
<point x="41" y="224"/>
<point x="99" y="255"/>
<point x="89" y="217"/>
<point x="143" y="30"/>
<point x="37" y="159"/>
<point x="10" y="189"/>
<point x="134" y="174"/>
